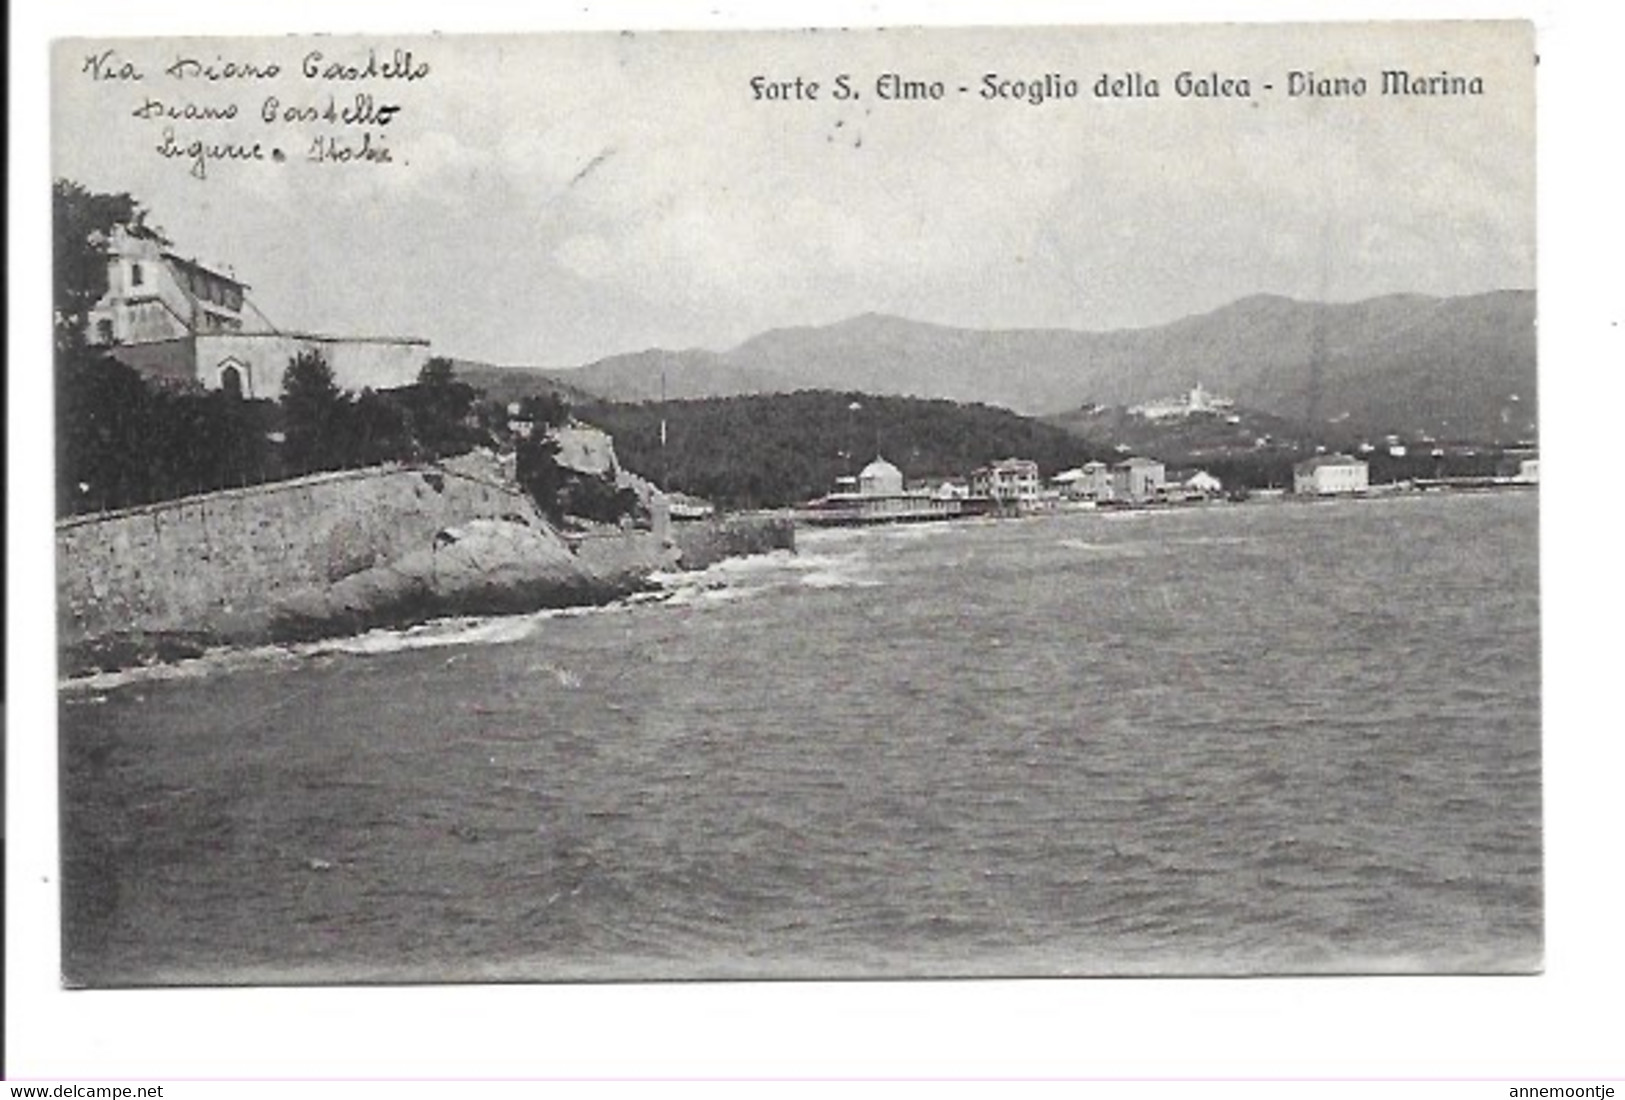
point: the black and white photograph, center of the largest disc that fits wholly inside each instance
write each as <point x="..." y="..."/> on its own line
<point x="827" y="504"/>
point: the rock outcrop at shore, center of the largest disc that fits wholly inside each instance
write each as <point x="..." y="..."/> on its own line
<point x="701" y="545"/>
<point x="502" y="567"/>
<point x="339" y="553"/>
<point x="484" y="567"/>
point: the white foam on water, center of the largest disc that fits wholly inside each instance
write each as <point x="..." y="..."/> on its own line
<point x="1212" y="540"/>
<point x="496" y="630"/>
<point x="742" y="578"/>
<point x="436" y="634"/>
<point x="701" y="595"/>
<point x="833" y="571"/>
<point x="727" y="581"/>
<point x="1104" y="549"/>
<point x="565" y="677"/>
<point x="212" y="662"/>
<point x="844" y="576"/>
<point x="917" y="532"/>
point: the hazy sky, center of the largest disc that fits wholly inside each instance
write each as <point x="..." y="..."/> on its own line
<point x="555" y="199"/>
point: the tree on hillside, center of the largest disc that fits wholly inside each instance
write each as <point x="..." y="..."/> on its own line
<point x="545" y="410"/>
<point x="82" y="222"/>
<point x="123" y="442"/>
<point x="536" y="466"/>
<point x="440" y="407"/>
<point x="313" y="412"/>
<point x="770" y="450"/>
<point x="103" y="428"/>
<point x="104" y="409"/>
<point x="558" y="490"/>
<point x="377" y="429"/>
<point x="597" y="498"/>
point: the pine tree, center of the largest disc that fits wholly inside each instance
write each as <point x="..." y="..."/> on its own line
<point x="313" y="409"/>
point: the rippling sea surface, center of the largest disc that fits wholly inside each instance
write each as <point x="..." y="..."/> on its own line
<point x="1271" y="738"/>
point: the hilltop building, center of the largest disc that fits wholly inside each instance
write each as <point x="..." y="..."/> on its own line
<point x="1327" y="475"/>
<point x="178" y="321"/>
<point x="1196" y="402"/>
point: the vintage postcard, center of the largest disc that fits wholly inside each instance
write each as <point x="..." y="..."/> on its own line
<point x="798" y="504"/>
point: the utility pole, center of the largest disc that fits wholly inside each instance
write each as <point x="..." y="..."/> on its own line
<point x="852" y="434"/>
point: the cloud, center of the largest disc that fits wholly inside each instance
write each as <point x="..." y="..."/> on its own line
<point x="581" y="192"/>
<point x="767" y="215"/>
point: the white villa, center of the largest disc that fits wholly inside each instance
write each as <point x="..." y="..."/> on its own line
<point x="1327" y="475"/>
<point x="1009" y="481"/>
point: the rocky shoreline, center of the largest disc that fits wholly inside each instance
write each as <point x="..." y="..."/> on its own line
<point x="481" y="567"/>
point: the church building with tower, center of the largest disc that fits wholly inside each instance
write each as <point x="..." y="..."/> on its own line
<point x="181" y="322"/>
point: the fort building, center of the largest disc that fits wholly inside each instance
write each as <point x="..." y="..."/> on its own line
<point x="181" y="322"/>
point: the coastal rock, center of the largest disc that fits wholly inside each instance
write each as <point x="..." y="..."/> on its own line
<point x="126" y="649"/>
<point x="484" y="567"/>
<point x="624" y="560"/>
<point x="345" y="552"/>
<point x="702" y="545"/>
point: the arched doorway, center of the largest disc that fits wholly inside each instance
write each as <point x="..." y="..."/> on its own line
<point x="234" y="378"/>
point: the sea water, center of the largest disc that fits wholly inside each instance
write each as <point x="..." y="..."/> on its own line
<point x="1261" y="738"/>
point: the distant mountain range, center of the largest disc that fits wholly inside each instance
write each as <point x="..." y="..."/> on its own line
<point x="507" y="384"/>
<point x="1460" y="367"/>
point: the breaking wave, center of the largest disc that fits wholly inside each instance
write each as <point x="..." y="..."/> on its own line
<point x="725" y="582"/>
<point x="744" y="578"/>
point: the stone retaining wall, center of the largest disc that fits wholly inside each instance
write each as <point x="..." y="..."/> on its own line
<point x="343" y="552"/>
<point x="187" y="564"/>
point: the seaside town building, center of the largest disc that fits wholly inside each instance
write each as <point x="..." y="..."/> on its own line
<point x="1070" y="484"/>
<point x="178" y="321"/>
<point x="683" y="506"/>
<point x="520" y="425"/>
<point x="1133" y="481"/>
<point x="880" y="478"/>
<point x="1520" y="465"/>
<point x="1137" y="479"/>
<point x="1008" y="481"/>
<point x="877" y="495"/>
<point x="1096" y="483"/>
<point x="1194" y="484"/>
<point x="1330" y="474"/>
